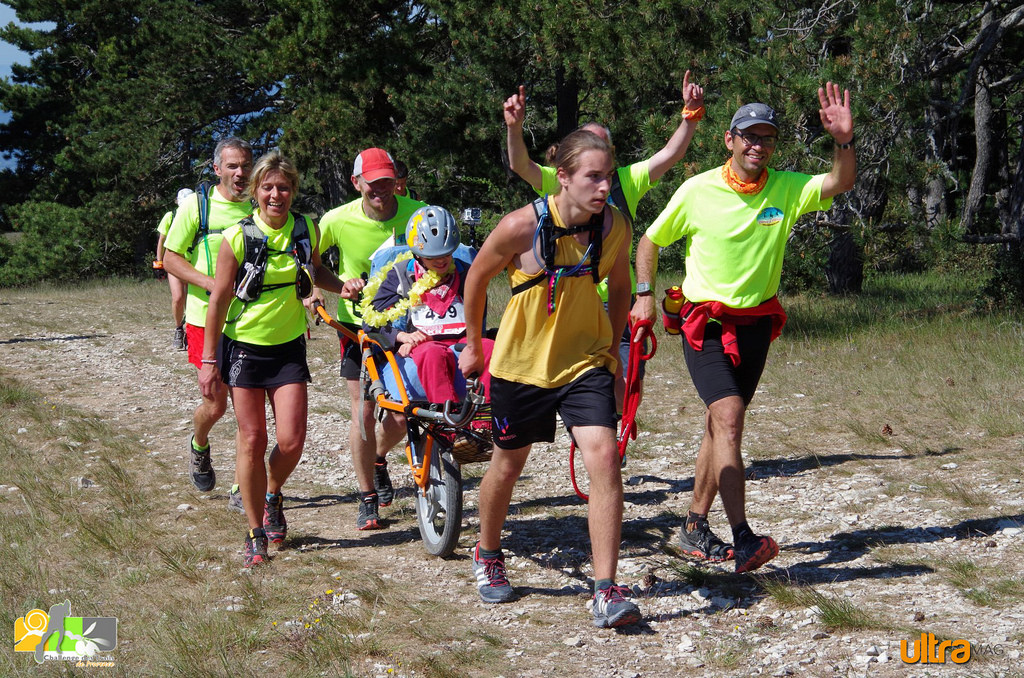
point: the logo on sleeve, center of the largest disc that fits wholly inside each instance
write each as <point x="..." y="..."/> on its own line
<point x="769" y="216"/>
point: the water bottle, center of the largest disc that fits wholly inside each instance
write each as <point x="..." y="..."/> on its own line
<point x="670" y="307"/>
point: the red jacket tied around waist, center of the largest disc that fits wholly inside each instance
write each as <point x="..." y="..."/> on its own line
<point x="697" y="316"/>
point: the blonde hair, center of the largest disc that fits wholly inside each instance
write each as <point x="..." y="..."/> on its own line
<point x="573" y="146"/>
<point x="273" y="161"/>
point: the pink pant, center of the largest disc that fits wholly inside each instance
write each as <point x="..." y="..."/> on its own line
<point x="436" y="366"/>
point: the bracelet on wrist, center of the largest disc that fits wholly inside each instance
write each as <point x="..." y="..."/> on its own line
<point x="694" y="114"/>
<point x="848" y="144"/>
<point x="158" y="263"/>
<point x="208" y="362"/>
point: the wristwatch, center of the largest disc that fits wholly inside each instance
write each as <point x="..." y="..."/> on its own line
<point x="643" y="289"/>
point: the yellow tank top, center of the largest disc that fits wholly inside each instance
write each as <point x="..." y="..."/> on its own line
<point x="550" y="351"/>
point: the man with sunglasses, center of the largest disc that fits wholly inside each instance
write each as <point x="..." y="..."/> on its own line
<point x="737" y="219"/>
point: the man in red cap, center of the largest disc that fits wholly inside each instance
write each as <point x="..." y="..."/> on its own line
<point x="358" y="228"/>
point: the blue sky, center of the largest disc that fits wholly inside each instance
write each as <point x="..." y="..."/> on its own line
<point x="8" y="54"/>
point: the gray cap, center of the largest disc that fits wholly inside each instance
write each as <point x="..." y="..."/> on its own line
<point x="753" y="114"/>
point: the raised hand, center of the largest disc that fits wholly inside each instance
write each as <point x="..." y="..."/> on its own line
<point x="515" y="108"/>
<point x="835" y="113"/>
<point x="693" y="94"/>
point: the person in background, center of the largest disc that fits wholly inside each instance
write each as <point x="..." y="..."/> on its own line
<point x="190" y="254"/>
<point x="401" y="181"/>
<point x="179" y="288"/>
<point x="358" y="228"/>
<point x="629" y="183"/>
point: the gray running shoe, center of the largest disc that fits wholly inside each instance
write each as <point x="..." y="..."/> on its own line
<point x="368" y="517"/>
<point x="703" y="544"/>
<point x="235" y="499"/>
<point x="491" y="581"/>
<point x="274" y="523"/>
<point x="256" y="548"/>
<point x="611" y="608"/>
<point x="382" y="483"/>
<point x="200" y="468"/>
<point x="754" y="553"/>
<point x="180" y="341"/>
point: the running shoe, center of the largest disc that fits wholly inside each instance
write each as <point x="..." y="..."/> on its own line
<point x="702" y="543"/>
<point x="754" y="553"/>
<point x="274" y="523"/>
<point x="368" y="517"/>
<point x="256" y="548"/>
<point x="200" y="468"/>
<point x="180" y="341"/>
<point x="382" y="482"/>
<point x="235" y="499"/>
<point x="491" y="581"/>
<point x="612" y="608"/>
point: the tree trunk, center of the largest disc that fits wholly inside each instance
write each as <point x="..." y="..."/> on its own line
<point x="983" y="153"/>
<point x="1016" y="197"/>
<point x="567" y="102"/>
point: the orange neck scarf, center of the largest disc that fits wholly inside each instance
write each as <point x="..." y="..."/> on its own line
<point x="740" y="186"/>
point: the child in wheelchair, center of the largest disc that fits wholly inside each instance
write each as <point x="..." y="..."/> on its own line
<point x="418" y="305"/>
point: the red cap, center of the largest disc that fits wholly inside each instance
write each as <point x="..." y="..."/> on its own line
<point x="373" y="164"/>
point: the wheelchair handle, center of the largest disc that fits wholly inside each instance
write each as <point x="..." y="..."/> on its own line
<point x="474" y="399"/>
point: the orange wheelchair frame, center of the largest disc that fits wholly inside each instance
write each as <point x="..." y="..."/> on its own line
<point x="439" y="439"/>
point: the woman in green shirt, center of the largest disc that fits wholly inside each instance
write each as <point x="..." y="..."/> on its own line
<point x="257" y="346"/>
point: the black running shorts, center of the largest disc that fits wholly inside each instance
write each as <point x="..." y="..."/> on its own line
<point x="711" y="370"/>
<point x="525" y="414"/>
<point x="351" y="356"/>
<point x="252" y="366"/>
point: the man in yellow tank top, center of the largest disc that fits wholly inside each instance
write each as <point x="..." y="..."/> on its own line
<point x="555" y="353"/>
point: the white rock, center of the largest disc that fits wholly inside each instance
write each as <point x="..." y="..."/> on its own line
<point x="950" y="466"/>
<point x="186" y="507"/>
<point x="572" y="641"/>
<point x="685" y="644"/>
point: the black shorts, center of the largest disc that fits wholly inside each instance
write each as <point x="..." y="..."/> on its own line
<point x="525" y="414"/>
<point x="253" y="366"/>
<point x="712" y="371"/>
<point x="351" y="356"/>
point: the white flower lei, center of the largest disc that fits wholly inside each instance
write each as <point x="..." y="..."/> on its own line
<point x="375" y="318"/>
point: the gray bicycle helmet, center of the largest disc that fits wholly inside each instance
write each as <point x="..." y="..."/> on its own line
<point x="432" y="232"/>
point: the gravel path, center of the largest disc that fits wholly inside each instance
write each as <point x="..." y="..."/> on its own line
<point x="887" y="550"/>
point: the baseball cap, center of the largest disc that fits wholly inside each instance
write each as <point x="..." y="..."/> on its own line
<point x="373" y="164"/>
<point x="753" y="114"/>
<point x="182" y="194"/>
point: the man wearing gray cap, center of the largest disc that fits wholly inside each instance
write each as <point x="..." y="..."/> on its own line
<point x="737" y="219"/>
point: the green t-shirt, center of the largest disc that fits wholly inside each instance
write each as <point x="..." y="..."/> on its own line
<point x="165" y="223"/>
<point x="635" y="181"/>
<point x="357" y="237"/>
<point x="735" y="242"/>
<point x="278" y="316"/>
<point x="223" y="215"/>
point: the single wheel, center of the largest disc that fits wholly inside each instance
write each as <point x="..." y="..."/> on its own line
<point x="439" y="509"/>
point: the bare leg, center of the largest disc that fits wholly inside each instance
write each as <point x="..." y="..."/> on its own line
<point x="719" y="464"/>
<point x="290" y="404"/>
<point x="251" y="448"/>
<point x="496" y="493"/>
<point x="209" y="413"/>
<point x="604" y="511"/>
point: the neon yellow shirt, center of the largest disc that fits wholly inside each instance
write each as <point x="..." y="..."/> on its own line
<point x="223" y="215"/>
<point x="278" y="316"/>
<point x="635" y="181"/>
<point x="735" y="242"/>
<point x="357" y="237"/>
<point x="165" y="223"/>
<point x="550" y="351"/>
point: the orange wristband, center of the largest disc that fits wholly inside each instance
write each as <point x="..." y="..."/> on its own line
<point x="158" y="264"/>
<point x="694" y="114"/>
